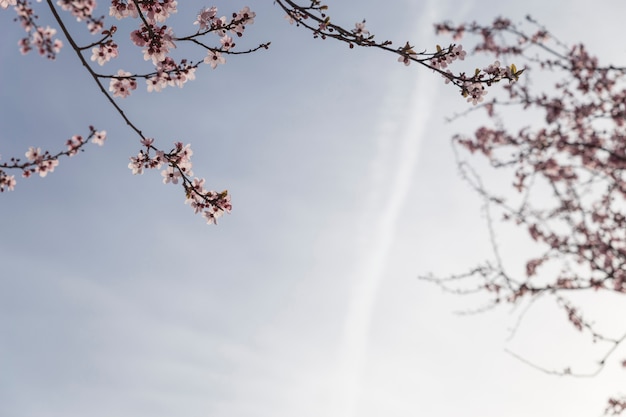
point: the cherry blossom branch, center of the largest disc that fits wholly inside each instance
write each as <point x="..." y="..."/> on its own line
<point x="577" y="155"/>
<point x="471" y="86"/>
<point x="94" y="76"/>
<point x="44" y="162"/>
<point x="210" y="203"/>
<point x="157" y="41"/>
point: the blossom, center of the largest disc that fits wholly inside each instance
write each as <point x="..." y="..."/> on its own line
<point x="80" y="9"/>
<point x="157" y="82"/>
<point x="104" y="53"/>
<point x="493" y="68"/>
<point x="99" y="137"/>
<point x="136" y="163"/>
<point x="227" y="42"/>
<point x="139" y="37"/>
<point x="244" y="17"/>
<point x="359" y="29"/>
<point x="158" y="41"/>
<point x="6" y="3"/>
<point x="214" y="58"/>
<point x="216" y="205"/>
<point x="6" y="181"/>
<point x="42" y="38"/>
<point x="157" y="160"/>
<point x="95" y="26"/>
<point x="406" y="59"/>
<point x="211" y="215"/>
<point x="475" y="93"/>
<point x="458" y="52"/>
<point x="170" y="174"/>
<point x="158" y="11"/>
<point x="204" y="18"/>
<point x="120" y="9"/>
<point x="46" y="166"/>
<point x="147" y="141"/>
<point x="121" y="87"/>
<point x="439" y="61"/>
<point x="185" y="168"/>
<point x="293" y="16"/>
<point x="185" y="152"/>
<point x="33" y="153"/>
<point x="73" y="144"/>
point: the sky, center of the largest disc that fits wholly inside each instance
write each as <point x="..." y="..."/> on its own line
<point x="116" y="300"/>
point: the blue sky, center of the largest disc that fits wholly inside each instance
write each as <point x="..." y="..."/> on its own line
<point x="115" y="300"/>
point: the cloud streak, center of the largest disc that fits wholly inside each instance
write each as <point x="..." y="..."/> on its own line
<point x="401" y="127"/>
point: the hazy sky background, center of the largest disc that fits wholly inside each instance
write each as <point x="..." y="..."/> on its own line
<point x="116" y="300"/>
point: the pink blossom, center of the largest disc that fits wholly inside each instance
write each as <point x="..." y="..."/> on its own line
<point x="6" y="3"/>
<point x="140" y="37"/>
<point x="227" y="42"/>
<point x="120" y="9"/>
<point x="158" y="159"/>
<point x="246" y="15"/>
<point x="81" y="9"/>
<point x="158" y="11"/>
<point x="185" y="168"/>
<point x="157" y="82"/>
<point x="360" y="30"/>
<point x="406" y="59"/>
<point x="293" y="16"/>
<point x="33" y="154"/>
<point x="241" y="19"/>
<point x="74" y="143"/>
<point x="99" y="137"/>
<point x="7" y="181"/>
<point x="121" y="87"/>
<point x="147" y="141"/>
<point x="46" y="166"/>
<point x="476" y="93"/>
<point x="104" y="53"/>
<point x="170" y="174"/>
<point x="204" y="18"/>
<point x="157" y="40"/>
<point x="458" y="52"/>
<point x="214" y="58"/>
<point x="136" y="164"/>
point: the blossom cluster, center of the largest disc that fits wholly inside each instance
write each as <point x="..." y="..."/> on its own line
<point x="169" y="73"/>
<point x="569" y="171"/>
<point x="43" y="162"/>
<point x="443" y="58"/>
<point x="104" y="52"/>
<point x="123" y="84"/>
<point x="473" y="87"/>
<point x="83" y="10"/>
<point x="178" y="168"/>
<point x="158" y="40"/>
<point x="6" y="3"/>
<point x="38" y="37"/>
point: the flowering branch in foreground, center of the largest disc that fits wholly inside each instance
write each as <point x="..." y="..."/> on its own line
<point x="315" y="18"/>
<point x="157" y="40"/>
<point x="43" y="162"/>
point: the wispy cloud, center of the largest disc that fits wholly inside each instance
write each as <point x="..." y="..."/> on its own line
<point x="401" y="131"/>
